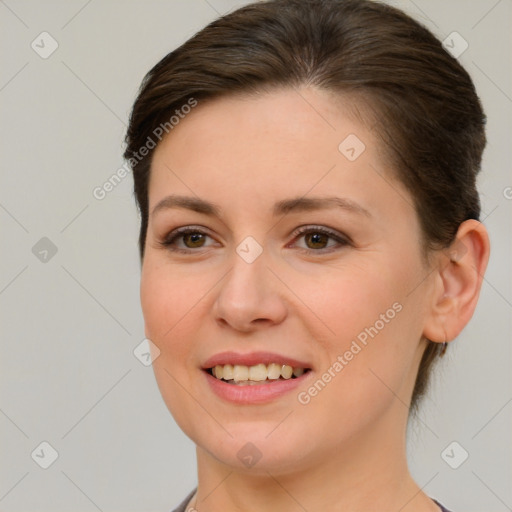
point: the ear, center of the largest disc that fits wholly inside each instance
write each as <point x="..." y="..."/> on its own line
<point x="458" y="279"/>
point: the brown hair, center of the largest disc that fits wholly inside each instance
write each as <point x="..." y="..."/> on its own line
<point x="429" y="116"/>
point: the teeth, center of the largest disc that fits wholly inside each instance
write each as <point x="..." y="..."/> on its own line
<point x="218" y="371"/>
<point x="286" y="371"/>
<point x="240" y="373"/>
<point x="273" y="371"/>
<point x="256" y="373"/>
<point x="227" y="371"/>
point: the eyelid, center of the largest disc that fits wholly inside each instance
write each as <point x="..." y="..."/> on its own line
<point x="187" y="229"/>
<point x="341" y="239"/>
<point x="319" y="227"/>
<point x="169" y="239"/>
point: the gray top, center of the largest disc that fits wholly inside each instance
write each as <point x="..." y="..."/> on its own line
<point x="183" y="504"/>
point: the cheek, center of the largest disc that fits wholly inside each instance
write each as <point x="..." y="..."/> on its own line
<point x="373" y="331"/>
<point x="350" y="301"/>
<point x="169" y="316"/>
<point x="168" y="310"/>
<point x="167" y="299"/>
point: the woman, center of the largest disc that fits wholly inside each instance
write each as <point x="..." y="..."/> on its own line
<point x="305" y="173"/>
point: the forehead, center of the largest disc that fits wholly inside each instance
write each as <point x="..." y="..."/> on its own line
<point x="284" y="111"/>
<point x="284" y="142"/>
<point x="283" y="124"/>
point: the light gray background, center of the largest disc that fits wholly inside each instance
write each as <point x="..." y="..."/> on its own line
<point x="70" y="324"/>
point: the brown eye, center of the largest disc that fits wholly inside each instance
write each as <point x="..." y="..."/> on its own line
<point x="319" y="239"/>
<point x="193" y="240"/>
<point x="316" y="240"/>
<point x="185" y="240"/>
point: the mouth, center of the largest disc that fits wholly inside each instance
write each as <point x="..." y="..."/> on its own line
<point x="255" y="377"/>
<point x="258" y="374"/>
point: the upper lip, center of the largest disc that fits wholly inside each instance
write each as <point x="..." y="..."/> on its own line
<point x="252" y="359"/>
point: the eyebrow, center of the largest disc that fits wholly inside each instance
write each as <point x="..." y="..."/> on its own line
<point x="297" y="204"/>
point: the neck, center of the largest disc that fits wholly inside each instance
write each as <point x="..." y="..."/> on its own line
<point x="366" y="472"/>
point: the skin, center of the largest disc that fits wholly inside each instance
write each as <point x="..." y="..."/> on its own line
<point x="345" y="449"/>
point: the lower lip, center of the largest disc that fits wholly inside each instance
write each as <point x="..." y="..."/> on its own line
<point x="256" y="393"/>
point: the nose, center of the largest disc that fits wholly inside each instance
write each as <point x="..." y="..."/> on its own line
<point x="250" y="296"/>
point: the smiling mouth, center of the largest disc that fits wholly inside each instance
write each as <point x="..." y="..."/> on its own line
<point x="258" y="374"/>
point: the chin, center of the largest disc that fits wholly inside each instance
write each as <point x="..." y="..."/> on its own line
<point x="257" y="447"/>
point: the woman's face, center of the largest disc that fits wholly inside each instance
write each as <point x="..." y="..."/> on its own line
<point x="307" y="255"/>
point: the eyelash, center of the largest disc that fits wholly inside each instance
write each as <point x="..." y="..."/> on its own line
<point x="171" y="238"/>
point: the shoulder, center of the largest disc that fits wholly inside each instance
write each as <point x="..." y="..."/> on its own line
<point x="443" y="509"/>
<point x="183" y="504"/>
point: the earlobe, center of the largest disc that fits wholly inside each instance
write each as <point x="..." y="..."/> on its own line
<point x="459" y="279"/>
